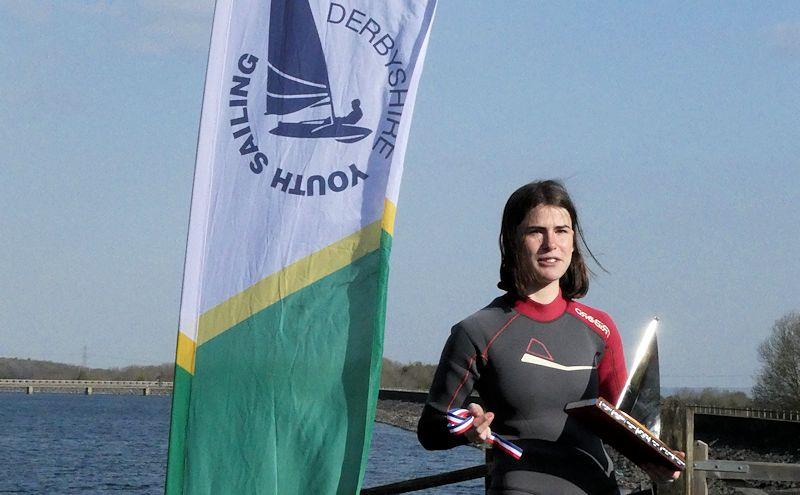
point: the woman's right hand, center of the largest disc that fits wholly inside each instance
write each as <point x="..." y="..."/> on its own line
<point x="480" y="431"/>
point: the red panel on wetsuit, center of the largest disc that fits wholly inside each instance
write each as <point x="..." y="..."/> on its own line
<point x="611" y="371"/>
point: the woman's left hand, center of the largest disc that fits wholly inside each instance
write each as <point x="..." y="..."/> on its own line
<point x="661" y="474"/>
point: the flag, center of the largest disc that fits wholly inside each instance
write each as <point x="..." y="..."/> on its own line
<point x="305" y="120"/>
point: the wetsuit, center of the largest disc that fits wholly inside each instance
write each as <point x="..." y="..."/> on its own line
<point x="527" y="361"/>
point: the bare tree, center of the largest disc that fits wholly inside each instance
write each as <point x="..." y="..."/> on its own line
<point x="778" y="383"/>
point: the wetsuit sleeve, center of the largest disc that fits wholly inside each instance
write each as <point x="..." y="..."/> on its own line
<point x="611" y="371"/>
<point x="452" y="384"/>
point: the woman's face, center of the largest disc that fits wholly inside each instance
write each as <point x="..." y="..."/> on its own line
<point x="549" y="239"/>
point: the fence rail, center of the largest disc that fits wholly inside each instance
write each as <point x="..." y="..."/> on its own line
<point x="699" y="468"/>
<point x="747" y="413"/>
<point x="426" y="482"/>
<point x="704" y="469"/>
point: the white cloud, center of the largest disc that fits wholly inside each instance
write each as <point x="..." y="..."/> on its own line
<point x="165" y="35"/>
<point x="157" y="26"/>
<point x="786" y="36"/>
<point x="171" y="25"/>
<point x="96" y="7"/>
<point x="25" y="10"/>
<point x="187" y="7"/>
<point x="154" y="26"/>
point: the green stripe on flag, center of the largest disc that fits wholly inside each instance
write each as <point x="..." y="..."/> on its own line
<point x="284" y="401"/>
<point x="181" y="391"/>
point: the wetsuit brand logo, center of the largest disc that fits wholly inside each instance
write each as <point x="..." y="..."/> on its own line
<point x="538" y="354"/>
<point x="537" y="348"/>
<point x="317" y="103"/>
<point x="594" y="321"/>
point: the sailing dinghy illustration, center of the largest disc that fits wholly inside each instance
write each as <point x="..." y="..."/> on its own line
<point x="297" y="79"/>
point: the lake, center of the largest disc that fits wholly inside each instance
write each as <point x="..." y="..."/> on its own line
<point x="70" y="444"/>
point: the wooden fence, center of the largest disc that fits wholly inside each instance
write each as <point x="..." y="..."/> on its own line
<point x="680" y="432"/>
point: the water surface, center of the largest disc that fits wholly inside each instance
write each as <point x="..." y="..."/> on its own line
<point x="77" y="444"/>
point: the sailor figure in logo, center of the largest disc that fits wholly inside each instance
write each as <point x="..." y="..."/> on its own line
<point x="297" y="80"/>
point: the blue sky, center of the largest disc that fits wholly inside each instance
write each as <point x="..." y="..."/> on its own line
<point x="675" y="126"/>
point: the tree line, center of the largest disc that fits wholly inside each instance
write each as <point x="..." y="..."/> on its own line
<point x="31" y="369"/>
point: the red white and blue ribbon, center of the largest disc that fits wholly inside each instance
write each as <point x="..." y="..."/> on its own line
<point x="460" y="420"/>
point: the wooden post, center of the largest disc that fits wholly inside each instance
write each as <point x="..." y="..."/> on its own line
<point x="29" y="390"/>
<point x="688" y="446"/>
<point x="699" y="485"/>
<point x="146" y="391"/>
<point x="88" y="390"/>
<point x="673" y="433"/>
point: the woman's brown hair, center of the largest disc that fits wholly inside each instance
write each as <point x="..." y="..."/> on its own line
<point x="516" y="274"/>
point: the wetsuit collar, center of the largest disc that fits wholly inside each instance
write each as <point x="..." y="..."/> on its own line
<point x="538" y="311"/>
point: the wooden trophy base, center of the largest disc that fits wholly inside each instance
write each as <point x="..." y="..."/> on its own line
<point x="625" y="434"/>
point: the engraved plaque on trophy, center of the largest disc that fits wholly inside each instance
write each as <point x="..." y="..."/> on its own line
<point x="629" y="437"/>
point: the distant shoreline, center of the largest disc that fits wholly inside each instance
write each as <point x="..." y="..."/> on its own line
<point x="32" y="369"/>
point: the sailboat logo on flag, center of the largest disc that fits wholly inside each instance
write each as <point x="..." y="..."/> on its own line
<point x="316" y="100"/>
<point x="298" y="83"/>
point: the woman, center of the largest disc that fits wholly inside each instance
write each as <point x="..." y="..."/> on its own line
<point x="529" y="353"/>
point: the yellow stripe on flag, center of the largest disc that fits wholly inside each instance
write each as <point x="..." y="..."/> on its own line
<point x="281" y="284"/>
<point x="184" y="355"/>
<point x="389" y="212"/>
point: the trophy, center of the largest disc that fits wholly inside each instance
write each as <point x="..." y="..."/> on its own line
<point x="633" y="424"/>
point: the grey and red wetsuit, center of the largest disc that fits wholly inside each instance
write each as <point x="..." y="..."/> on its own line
<point x="527" y="361"/>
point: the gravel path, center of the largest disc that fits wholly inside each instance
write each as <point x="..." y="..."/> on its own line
<point x="397" y="413"/>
